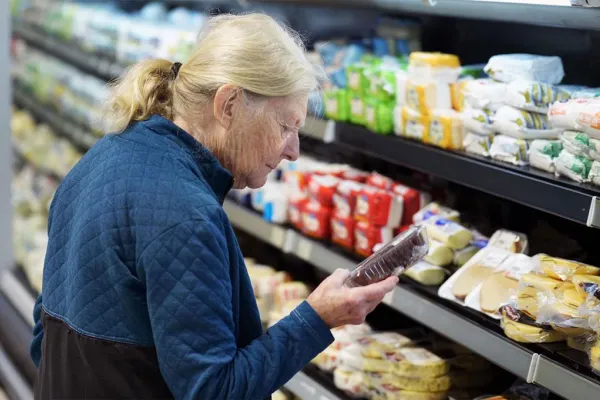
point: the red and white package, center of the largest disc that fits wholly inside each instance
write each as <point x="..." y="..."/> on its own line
<point x="322" y="188"/>
<point x="379" y="207"/>
<point x="344" y="200"/>
<point x="413" y="201"/>
<point x="295" y="207"/>
<point x="367" y="235"/>
<point x="297" y="181"/>
<point x="380" y="181"/>
<point x="355" y="175"/>
<point x="316" y="220"/>
<point x="342" y="231"/>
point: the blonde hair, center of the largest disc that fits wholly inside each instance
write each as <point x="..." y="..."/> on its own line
<point x="252" y="51"/>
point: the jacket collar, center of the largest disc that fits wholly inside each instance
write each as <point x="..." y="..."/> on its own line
<point x="219" y="178"/>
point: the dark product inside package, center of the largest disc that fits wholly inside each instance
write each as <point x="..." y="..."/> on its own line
<point x="400" y="253"/>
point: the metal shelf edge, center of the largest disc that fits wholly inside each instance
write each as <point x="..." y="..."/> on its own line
<point x="567" y="384"/>
<point x="306" y="388"/>
<point x="316" y="128"/>
<point x="12" y="380"/>
<point x="253" y="224"/>
<point x="18" y="296"/>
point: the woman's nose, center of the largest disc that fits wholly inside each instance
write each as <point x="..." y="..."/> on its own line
<point x="292" y="149"/>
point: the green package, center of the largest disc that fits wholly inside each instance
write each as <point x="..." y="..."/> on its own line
<point x="357" y="108"/>
<point x="336" y="104"/>
<point x="379" y="116"/>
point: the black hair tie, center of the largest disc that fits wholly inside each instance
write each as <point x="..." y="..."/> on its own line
<point x="175" y="69"/>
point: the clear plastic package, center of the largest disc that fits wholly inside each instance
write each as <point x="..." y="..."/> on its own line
<point x="400" y="253"/>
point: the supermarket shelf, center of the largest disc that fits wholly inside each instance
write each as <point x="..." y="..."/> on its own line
<point x="307" y="388"/>
<point x="524" y="11"/>
<point x="434" y="313"/>
<point x="524" y="185"/>
<point x="323" y="130"/>
<point x="20" y="298"/>
<point x="12" y="381"/>
<point x="253" y="224"/>
<point x="38" y="168"/>
<point x="90" y="63"/>
<point x="79" y="136"/>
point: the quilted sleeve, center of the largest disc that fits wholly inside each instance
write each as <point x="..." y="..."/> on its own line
<point x="189" y="291"/>
<point x="38" y="333"/>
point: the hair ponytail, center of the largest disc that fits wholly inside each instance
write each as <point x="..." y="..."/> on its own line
<point x="145" y="89"/>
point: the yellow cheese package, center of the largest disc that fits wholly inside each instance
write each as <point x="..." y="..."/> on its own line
<point x="289" y="291"/>
<point x="526" y="301"/>
<point x="554" y="311"/>
<point x="377" y="345"/>
<point x="448" y="232"/>
<point x="434" y="208"/>
<point x="418" y="383"/>
<point x="348" y="334"/>
<point x="562" y="269"/>
<point x="351" y="381"/>
<point x="445" y="129"/>
<point x="521" y="332"/>
<point x="439" y="67"/>
<point x="352" y="357"/>
<point x="426" y="273"/>
<point x="418" y="362"/>
<point x="415" y="124"/>
<point x="514" y="242"/>
<point x="585" y="284"/>
<point x="439" y="254"/>
<point x="424" y="96"/>
<point x="542" y="282"/>
<point x="327" y="360"/>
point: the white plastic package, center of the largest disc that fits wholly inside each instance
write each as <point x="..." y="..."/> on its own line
<point x="511" y="67"/>
<point x="594" y="175"/>
<point x="478" y="144"/>
<point x="574" y="167"/>
<point x="484" y="94"/>
<point x="523" y="124"/>
<point x="576" y="143"/>
<point x="510" y="150"/>
<point x="478" y="120"/>
<point x="543" y="152"/>
<point x="533" y="96"/>
<point x="577" y="114"/>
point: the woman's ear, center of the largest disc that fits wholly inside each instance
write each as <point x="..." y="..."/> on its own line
<point x="227" y="100"/>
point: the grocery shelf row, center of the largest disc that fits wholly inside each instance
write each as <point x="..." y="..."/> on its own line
<point x="525" y="185"/>
<point x="413" y="300"/>
<point x="556" y="13"/>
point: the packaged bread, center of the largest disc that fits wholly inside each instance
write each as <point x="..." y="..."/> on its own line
<point x="439" y="254"/>
<point x="445" y="129"/>
<point x="512" y="67"/>
<point x="533" y="96"/>
<point x="390" y="392"/>
<point x="495" y="291"/>
<point x="434" y="208"/>
<point x="418" y="383"/>
<point x="574" y="167"/>
<point x="510" y="150"/>
<point x="514" y="242"/>
<point x="376" y="345"/>
<point x="523" y="124"/>
<point x="562" y="269"/>
<point x="448" y="232"/>
<point x="542" y="153"/>
<point x="352" y="357"/>
<point x="418" y="362"/>
<point x="478" y="144"/>
<point x="525" y="333"/>
<point x="426" y="273"/>
<point x="351" y="381"/>
<point x="327" y="360"/>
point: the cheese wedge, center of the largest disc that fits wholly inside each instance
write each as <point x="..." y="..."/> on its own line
<point x="426" y="274"/>
<point x="448" y="232"/>
<point x="418" y="384"/>
<point x="527" y="301"/>
<point x="376" y="345"/>
<point x="562" y="269"/>
<point x="418" y="362"/>
<point x="541" y="282"/>
<point x="571" y="332"/>
<point x="573" y="298"/>
<point x="496" y="290"/>
<point x="582" y="281"/>
<point x="468" y="280"/>
<point x="530" y="334"/>
<point x="439" y="254"/>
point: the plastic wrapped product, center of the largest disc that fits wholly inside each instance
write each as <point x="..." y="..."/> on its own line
<point x="351" y="381"/>
<point x="316" y="220"/>
<point x="412" y="200"/>
<point x="295" y="208"/>
<point x="378" y="116"/>
<point x="351" y="357"/>
<point x="337" y="104"/>
<point x="594" y="175"/>
<point x="290" y="291"/>
<point x="344" y="200"/>
<point x="495" y="291"/>
<point x="573" y="167"/>
<point x="576" y="143"/>
<point x="595" y="149"/>
<point x="543" y="152"/>
<point x="594" y="354"/>
<point x="438" y="67"/>
<point x="275" y="207"/>
<point x="418" y="362"/>
<point x="448" y="232"/>
<point x="424" y="96"/>
<point x="467" y="278"/>
<point x="509" y="149"/>
<point x="379" y="181"/>
<point x="445" y="129"/>
<point x="402" y="252"/>
<point x="434" y="208"/>
<point x="514" y="242"/>
<point x="416" y="125"/>
<point x="357" y="109"/>
<point x="511" y="67"/>
<point x="478" y="144"/>
<point x="583" y="282"/>
<point x="547" y="283"/>
<point x="399" y="124"/>
<point x="322" y="188"/>
<point x="367" y="236"/>
<point x="327" y="360"/>
<point x="533" y="96"/>
<point x="524" y="333"/>
<point x="426" y="274"/>
<point x="357" y="81"/>
<point x="379" y="207"/>
<point x="524" y="124"/>
<point x="439" y="254"/>
<point x="457" y="94"/>
<point x="376" y="345"/>
<point x="484" y="94"/>
<point x="342" y="231"/>
<point x="581" y="342"/>
<point x="478" y="121"/>
<point x="348" y="334"/>
<point x="462" y="256"/>
<point x="577" y="114"/>
<point x="418" y="383"/>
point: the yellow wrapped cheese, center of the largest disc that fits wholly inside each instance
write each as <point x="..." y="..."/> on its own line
<point x="559" y="268"/>
<point x="352" y="357"/>
<point x="582" y="281"/>
<point x="423" y="96"/>
<point x="527" y="301"/>
<point x="445" y="129"/>
<point x="418" y="383"/>
<point x="574" y="297"/>
<point x="376" y="345"/>
<point x="524" y="333"/>
<point x="448" y="232"/>
<point x="350" y="381"/>
<point x="415" y="124"/>
<point x="415" y="361"/>
<point x="426" y="274"/>
<point x="545" y="283"/>
<point x="439" y="254"/>
<point x="327" y="360"/>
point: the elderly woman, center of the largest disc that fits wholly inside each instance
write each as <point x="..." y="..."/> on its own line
<point x="145" y="292"/>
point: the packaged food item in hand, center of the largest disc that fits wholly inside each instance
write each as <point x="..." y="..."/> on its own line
<point x="542" y="153"/>
<point x="511" y="67"/>
<point x="401" y="253"/>
<point x="573" y="167"/>
<point x="445" y="129"/>
<point x="533" y="96"/>
<point x="509" y="149"/>
<point x="426" y="274"/>
<point x="478" y="144"/>
<point x="559" y="268"/>
<point x="523" y="124"/>
<point x="448" y="232"/>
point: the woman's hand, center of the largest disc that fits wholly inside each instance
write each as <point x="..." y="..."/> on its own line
<point x="339" y="305"/>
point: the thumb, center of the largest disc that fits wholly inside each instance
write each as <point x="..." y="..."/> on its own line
<point x="339" y="276"/>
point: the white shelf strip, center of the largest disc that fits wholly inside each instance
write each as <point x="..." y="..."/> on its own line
<point x="18" y="295"/>
<point x="308" y="389"/>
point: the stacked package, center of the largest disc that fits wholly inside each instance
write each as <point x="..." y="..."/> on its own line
<point x="424" y="102"/>
<point x="549" y="302"/>
<point x="579" y="158"/>
<point x="512" y="104"/>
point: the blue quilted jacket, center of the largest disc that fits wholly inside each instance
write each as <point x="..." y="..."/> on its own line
<point x="145" y="292"/>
